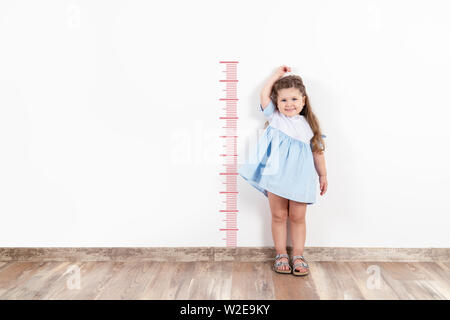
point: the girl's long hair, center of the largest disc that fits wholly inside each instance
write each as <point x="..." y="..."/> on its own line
<point x="294" y="81"/>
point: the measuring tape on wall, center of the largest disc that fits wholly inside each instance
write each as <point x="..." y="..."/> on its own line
<point x="229" y="118"/>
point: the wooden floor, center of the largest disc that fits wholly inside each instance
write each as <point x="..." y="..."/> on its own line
<point x="223" y="280"/>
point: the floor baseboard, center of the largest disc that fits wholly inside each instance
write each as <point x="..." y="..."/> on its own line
<point x="249" y="254"/>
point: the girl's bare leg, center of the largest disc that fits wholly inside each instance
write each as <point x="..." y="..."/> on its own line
<point x="279" y="207"/>
<point x="297" y="213"/>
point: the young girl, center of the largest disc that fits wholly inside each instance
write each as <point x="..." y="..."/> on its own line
<point x="287" y="164"/>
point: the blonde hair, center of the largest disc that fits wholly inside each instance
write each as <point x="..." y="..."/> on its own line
<point x="294" y="81"/>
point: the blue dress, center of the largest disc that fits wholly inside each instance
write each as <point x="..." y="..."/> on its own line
<point x="282" y="161"/>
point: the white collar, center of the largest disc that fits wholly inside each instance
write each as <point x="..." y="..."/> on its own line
<point x="294" y="117"/>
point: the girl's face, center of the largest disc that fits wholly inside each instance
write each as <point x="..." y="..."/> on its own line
<point x="290" y="101"/>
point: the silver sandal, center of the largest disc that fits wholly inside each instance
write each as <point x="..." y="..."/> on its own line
<point x="303" y="263"/>
<point x="278" y="264"/>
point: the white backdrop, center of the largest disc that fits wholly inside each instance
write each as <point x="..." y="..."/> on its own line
<point x="109" y="119"/>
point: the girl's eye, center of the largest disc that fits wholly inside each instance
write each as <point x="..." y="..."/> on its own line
<point x="285" y="99"/>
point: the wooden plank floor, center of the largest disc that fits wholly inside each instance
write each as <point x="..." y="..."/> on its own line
<point x="223" y="280"/>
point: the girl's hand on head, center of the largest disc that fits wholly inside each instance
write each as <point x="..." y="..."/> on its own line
<point x="323" y="184"/>
<point x="282" y="70"/>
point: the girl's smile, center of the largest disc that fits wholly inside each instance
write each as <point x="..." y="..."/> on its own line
<point x="290" y="101"/>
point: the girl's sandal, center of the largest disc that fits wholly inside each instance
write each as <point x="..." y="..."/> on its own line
<point x="302" y="264"/>
<point x="278" y="264"/>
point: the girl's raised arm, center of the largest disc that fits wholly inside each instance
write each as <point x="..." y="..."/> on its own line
<point x="267" y="89"/>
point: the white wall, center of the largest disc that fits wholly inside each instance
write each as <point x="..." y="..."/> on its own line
<point x="97" y="98"/>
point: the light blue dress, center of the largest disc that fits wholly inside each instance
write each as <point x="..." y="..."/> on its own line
<point x="282" y="161"/>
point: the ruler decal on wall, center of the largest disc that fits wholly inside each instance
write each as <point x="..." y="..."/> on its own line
<point x="229" y="155"/>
